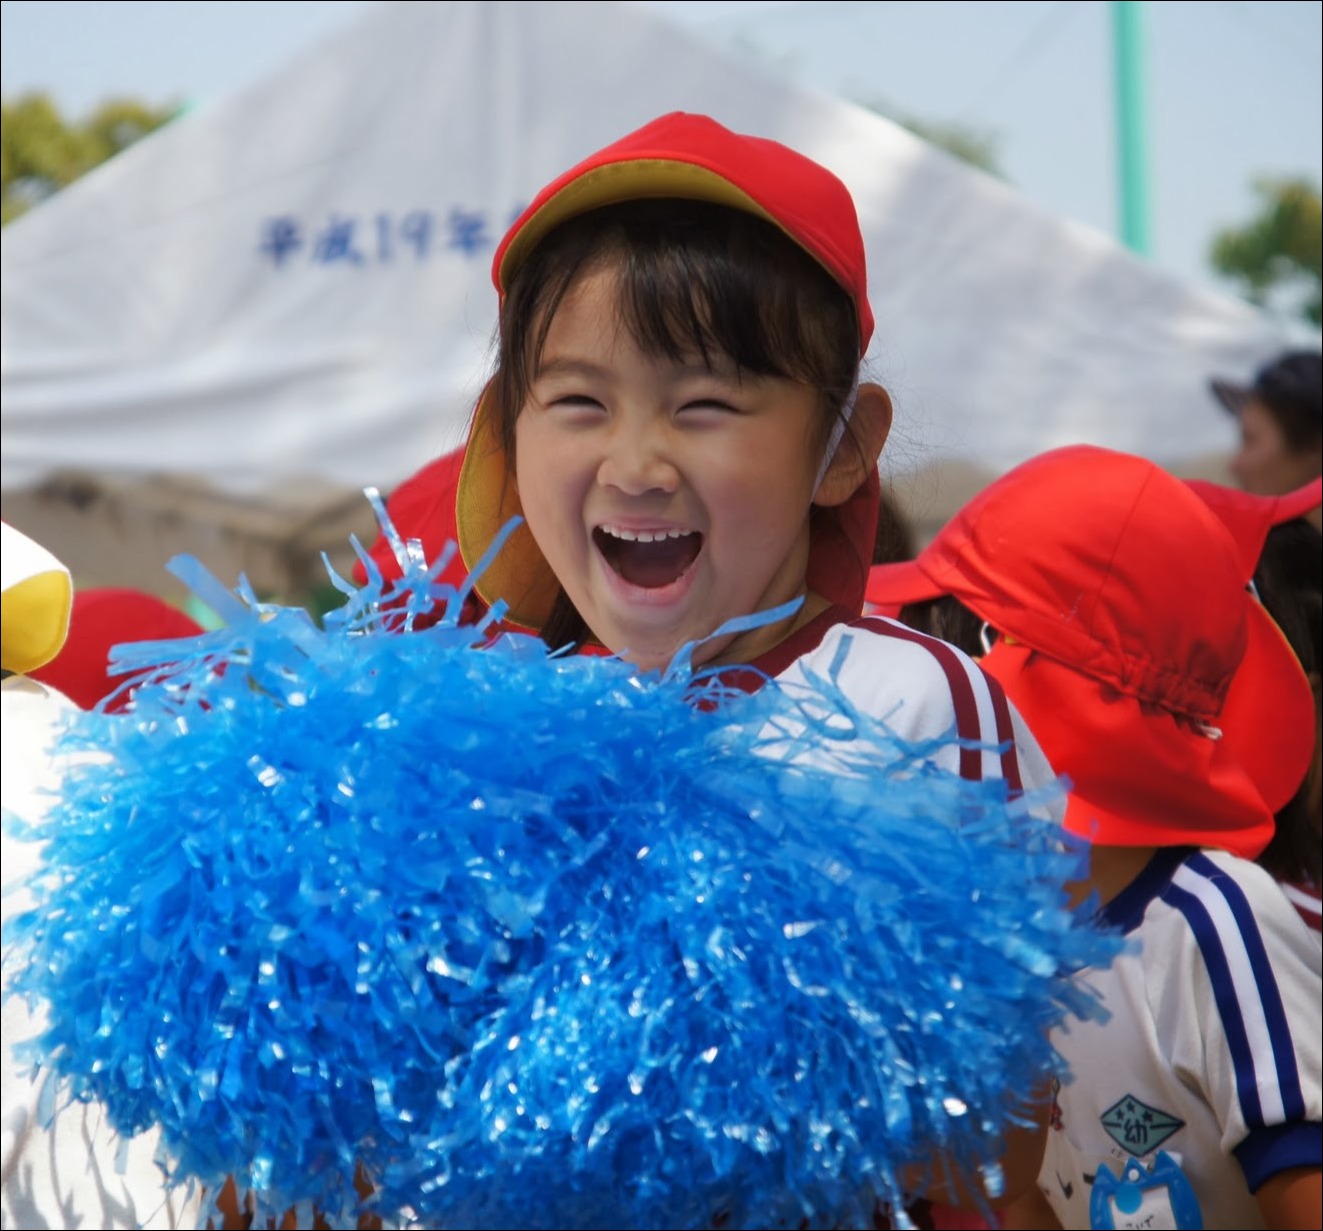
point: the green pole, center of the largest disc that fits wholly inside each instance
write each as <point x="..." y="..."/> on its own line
<point x="1131" y="143"/>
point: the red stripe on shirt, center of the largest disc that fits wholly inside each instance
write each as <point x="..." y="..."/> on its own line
<point x="752" y="676"/>
<point x="1304" y="896"/>
<point x="1010" y="761"/>
<point x="968" y="727"/>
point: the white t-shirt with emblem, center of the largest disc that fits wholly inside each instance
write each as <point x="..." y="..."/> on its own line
<point x="1211" y="1054"/>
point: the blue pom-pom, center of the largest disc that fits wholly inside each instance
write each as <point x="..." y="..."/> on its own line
<point x="536" y="941"/>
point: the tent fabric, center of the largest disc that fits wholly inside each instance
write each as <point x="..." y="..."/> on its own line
<point x="290" y="289"/>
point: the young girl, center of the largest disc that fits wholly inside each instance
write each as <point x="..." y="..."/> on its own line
<point x="677" y="415"/>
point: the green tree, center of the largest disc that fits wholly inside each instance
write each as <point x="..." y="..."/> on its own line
<point x="976" y="146"/>
<point x="42" y="152"/>
<point x="1276" y="258"/>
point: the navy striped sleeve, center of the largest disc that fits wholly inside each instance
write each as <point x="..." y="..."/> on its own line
<point x="1249" y="1002"/>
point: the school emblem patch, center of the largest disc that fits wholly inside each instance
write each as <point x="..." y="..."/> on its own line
<point x="1138" y="1128"/>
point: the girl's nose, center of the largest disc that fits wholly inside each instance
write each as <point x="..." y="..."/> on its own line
<point x="637" y="462"/>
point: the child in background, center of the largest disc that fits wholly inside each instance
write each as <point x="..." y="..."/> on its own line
<point x="1158" y="685"/>
<point x="1282" y="552"/>
<point x="1281" y="425"/>
<point x="677" y="414"/>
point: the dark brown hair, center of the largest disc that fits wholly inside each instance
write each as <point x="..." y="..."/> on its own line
<point x="1289" y="579"/>
<point x="948" y="618"/>
<point x="1291" y="388"/>
<point x="693" y="277"/>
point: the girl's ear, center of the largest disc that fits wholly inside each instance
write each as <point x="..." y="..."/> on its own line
<point x="860" y="447"/>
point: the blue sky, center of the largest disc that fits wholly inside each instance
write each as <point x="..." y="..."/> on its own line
<point x="1233" y="89"/>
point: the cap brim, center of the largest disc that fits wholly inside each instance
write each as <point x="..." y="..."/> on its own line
<point x="36" y="620"/>
<point x="1269" y="714"/>
<point x="892" y="586"/>
<point x="486" y="499"/>
<point x="1299" y="503"/>
<point x="37" y="599"/>
<point x="614" y="182"/>
<point x="1231" y="395"/>
<point x="1249" y="517"/>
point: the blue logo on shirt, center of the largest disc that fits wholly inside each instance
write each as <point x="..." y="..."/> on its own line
<point x="1138" y="1128"/>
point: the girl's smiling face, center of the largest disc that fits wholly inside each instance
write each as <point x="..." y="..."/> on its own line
<point x="667" y="495"/>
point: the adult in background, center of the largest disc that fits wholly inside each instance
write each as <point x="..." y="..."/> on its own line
<point x="1281" y="425"/>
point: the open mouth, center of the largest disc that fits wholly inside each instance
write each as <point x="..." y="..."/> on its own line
<point x="649" y="559"/>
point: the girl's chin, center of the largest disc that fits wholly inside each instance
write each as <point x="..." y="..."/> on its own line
<point x="648" y="649"/>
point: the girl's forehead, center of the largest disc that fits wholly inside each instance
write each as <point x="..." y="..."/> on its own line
<point x="599" y="309"/>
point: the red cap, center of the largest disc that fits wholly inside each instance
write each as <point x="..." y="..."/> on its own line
<point x="692" y="157"/>
<point x="103" y="618"/>
<point x="1149" y="674"/>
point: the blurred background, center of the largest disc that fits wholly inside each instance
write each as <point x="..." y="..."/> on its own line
<point x="245" y="245"/>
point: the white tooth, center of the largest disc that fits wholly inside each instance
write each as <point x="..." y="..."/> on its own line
<point x="645" y="536"/>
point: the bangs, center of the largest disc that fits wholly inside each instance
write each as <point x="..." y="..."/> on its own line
<point x="694" y="279"/>
<point x="723" y="284"/>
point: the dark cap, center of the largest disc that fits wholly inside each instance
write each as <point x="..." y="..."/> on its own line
<point x="1292" y="384"/>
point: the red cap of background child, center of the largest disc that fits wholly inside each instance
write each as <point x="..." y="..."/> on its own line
<point x="101" y="619"/>
<point x="1151" y="677"/>
<point x="1249" y="517"/>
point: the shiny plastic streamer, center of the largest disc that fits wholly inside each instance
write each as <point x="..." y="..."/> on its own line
<point x="534" y="940"/>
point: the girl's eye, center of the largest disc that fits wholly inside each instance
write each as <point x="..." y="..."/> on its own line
<point x="574" y="401"/>
<point x="716" y="404"/>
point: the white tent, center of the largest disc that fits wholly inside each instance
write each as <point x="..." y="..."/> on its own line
<point x="225" y="333"/>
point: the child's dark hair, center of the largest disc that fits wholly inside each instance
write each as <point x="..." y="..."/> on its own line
<point x="1289" y="579"/>
<point x="1290" y="389"/>
<point x="948" y="618"/>
<point x="694" y="277"/>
